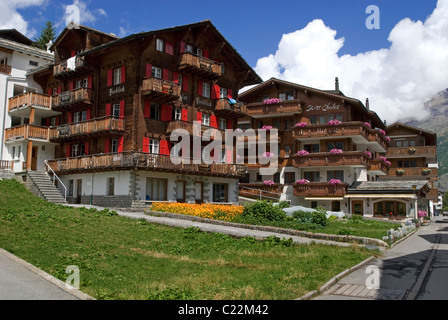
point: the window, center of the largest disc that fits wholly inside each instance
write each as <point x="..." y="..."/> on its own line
<point x="338" y="174"/>
<point x="277" y="123"/>
<point x="206" y="90"/>
<point x="13" y="153"/>
<point x="156" y="189"/>
<point x="288" y="151"/>
<point x="312" y="148"/>
<point x="289" y="123"/>
<point x="335" y="206"/>
<point x="34" y="63"/>
<point x="114" y="145"/>
<point x="180" y="191"/>
<point x="284" y="96"/>
<point x="189" y="48"/>
<point x="205" y="119"/>
<point x="177" y="113"/>
<point x="110" y="187"/>
<point x="117" y="76"/>
<point x="156" y="72"/>
<point x="154" y="146"/>
<point x="75" y="150"/>
<point x="223" y="93"/>
<point x="335" y="145"/>
<point x="116" y="110"/>
<point x="71" y="184"/>
<point x="290" y="177"/>
<point x="160" y="45"/>
<point x="155" y="111"/>
<point x="312" y="176"/>
<point x="79" y="117"/>
<point x="277" y="177"/>
<point x="222" y="124"/>
<point x="220" y="192"/>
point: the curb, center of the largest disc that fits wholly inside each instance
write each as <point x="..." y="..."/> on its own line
<point x="291" y="232"/>
<point x="334" y="280"/>
<point x="60" y="284"/>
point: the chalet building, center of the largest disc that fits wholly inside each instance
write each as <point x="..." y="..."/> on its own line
<point x="332" y="150"/>
<point x="114" y="103"/>
<point x="23" y="130"/>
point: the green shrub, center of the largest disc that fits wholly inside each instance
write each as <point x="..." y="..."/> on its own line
<point x="320" y="217"/>
<point x="303" y="216"/>
<point x="264" y="210"/>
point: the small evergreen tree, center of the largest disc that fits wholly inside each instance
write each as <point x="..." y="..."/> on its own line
<point x="47" y="34"/>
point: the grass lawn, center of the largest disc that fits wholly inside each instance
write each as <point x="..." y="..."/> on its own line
<point x="121" y="258"/>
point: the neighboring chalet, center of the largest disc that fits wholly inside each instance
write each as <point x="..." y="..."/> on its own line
<point x="116" y="101"/>
<point x="328" y="145"/>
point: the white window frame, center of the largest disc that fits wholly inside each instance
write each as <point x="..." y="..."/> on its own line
<point x="156" y="72"/>
<point x="75" y="150"/>
<point x="117" y="76"/>
<point x="206" y="90"/>
<point x="114" y="145"/>
<point x="222" y="124"/>
<point x="177" y="113"/>
<point x="223" y="93"/>
<point x="154" y="146"/>
<point x="206" y="119"/>
<point x="160" y="45"/>
<point x="116" y="110"/>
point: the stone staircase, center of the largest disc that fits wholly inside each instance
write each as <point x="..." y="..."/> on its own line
<point x="47" y="190"/>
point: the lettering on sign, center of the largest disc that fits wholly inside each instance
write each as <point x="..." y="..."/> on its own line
<point x="116" y="90"/>
<point x="327" y="107"/>
<point x="204" y="102"/>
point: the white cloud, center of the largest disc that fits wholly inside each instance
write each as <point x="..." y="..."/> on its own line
<point x="397" y="80"/>
<point x="10" y="18"/>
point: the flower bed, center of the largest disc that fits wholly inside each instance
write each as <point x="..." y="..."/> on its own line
<point x="210" y="211"/>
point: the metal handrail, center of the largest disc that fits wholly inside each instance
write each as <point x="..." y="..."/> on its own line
<point x="55" y="176"/>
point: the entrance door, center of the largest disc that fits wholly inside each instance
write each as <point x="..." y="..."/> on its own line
<point x="35" y="150"/>
<point x="358" y="207"/>
<point x="79" y="191"/>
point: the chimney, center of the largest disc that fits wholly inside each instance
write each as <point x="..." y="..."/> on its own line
<point x="336" y="87"/>
<point x="367" y="104"/>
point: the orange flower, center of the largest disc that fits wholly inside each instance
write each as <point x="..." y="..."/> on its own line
<point x="206" y="210"/>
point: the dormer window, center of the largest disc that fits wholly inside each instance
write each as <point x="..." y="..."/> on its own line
<point x="160" y="45"/>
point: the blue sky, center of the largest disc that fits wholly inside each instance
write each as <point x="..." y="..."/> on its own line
<point x="398" y="66"/>
<point x="254" y="28"/>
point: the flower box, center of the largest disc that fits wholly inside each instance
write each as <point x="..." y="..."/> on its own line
<point x="303" y="153"/>
<point x="272" y="101"/>
<point x="336" y="151"/>
<point x="335" y="182"/>
<point x="268" y="183"/>
<point x="303" y="181"/>
<point x="334" y="122"/>
<point x="368" y="154"/>
<point x="301" y="125"/>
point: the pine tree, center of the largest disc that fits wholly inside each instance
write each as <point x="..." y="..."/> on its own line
<point x="47" y="34"/>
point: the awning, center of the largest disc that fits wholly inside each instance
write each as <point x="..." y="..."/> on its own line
<point x="406" y="196"/>
<point x="325" y="199"/>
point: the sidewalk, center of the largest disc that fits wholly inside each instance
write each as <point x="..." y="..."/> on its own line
<point x="401" y="271"/>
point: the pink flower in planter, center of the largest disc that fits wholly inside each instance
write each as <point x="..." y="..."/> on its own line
<point x="383" y="159"/>
<point x="382" y="132"/>
<point x="334" y="122"/>
<point x="336" y="151"/>
<point x="387" y="139"/>
<point x="268" y="154"/>
<point x="303" y="153"/>
<point x="368" y="124"/>
<point x="269" y="183"/>
<point x="267" y="128"/>
<point x="301" y="125"/>
<point x="272" y="101"/>
<point x="422" y="214"/>
<point x="368" y="154"/>
<point x="303" y="181"/>
<point x="335" y="182"/>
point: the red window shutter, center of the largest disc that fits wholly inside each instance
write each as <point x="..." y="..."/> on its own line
<point x="200" y="83"/>
<point x="73" y="53"/>
<point x="216" y="92"/>
<point x="87" y="148"/>
<point x="229" y="93"/>
<point x="68" y="151"/>
<point x="147" y="110"/>
<point x="229" y="124"/>
<point x="107" y="146"/>
<point x="165" y="74"/>
<point x="120" y="144"/>
<point x="59" y="90"/>
<point x="58" y="120"/>
<point x="164" y="149"/>
<point x="123" y="74"/>
<point x="206" y="53"/>
<point x="148" y="71"/>
<point x="122" y="105"/>
<point x="90" y="82"/>
<point x="185" y="83"/>
<point x="185" y="115"/>
<point x="213" y="121"/>
<point x="175" y="77"/>
<point x="47" y="122"/>
<point x="108" y="109"/>
<point x="110" y="76"/>
<point x="169" y="48"/>
<point x="146" y="145"/>
<point x="71" y="85"/>
<point x="88" y="114"/>
<point x="50" y="92"/>
<point x="70" y="117"/>
<point x="199" y="117"/>
<point x="182" y="47"/>
<point x="167" y="112"/>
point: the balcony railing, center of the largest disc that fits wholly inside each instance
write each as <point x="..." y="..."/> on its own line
<point x="74" y="98"/>
<point x="160" y="89"/>
<point x="225" y="109"/>
<point x="71" y="68"/>
<point x="259" y="108"/>
<point x="206" y="67"/>
<point x="142" y="161"/>
<point x="414" y="173"/>
<point x="29" y="132"/>
<point x="5" y="69"/>
<point x="428" y="151"/>
<point x="326" y="159"/>
<point x="93" y="127"/>
<point x="179" y="124"/>
<point x="345" y="129"/>
<point x="379" y="166"/>
<point x="29" y="99"/>
<point x="6" y="165"/>
<point x="320" y="189"/>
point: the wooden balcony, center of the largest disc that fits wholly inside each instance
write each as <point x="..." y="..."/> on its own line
<point x="203" y="67"/>
<point x="5" y="69"/>
<point x="29" y="132"/>
<point x="228" y="110"/>
<point x="377" y="167"/>
<point x="161" y="90"/>
<point x="357" y="131"/>
<point x="260" y="109"/>
<point x="65" y="71"/>
<point x="417" y="152"/>
<point x="95" y="128"/>
<point x="320" y="189"/>
<point x="189" y="127"/>
<point x="419" y="173"/>
<point x="73" y="100"/>
<point x="142" y="161"/>
<point x="30" y="99"/>
<point x="325" y="159"/>
<point x="260" y="190"/>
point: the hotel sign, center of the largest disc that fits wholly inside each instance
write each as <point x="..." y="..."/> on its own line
<point x="116" y="90"/>
<point x="327" y="107"/>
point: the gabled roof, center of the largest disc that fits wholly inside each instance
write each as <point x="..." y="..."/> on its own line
<point x="16" y="36"/>
<point x="412" y="128"/>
